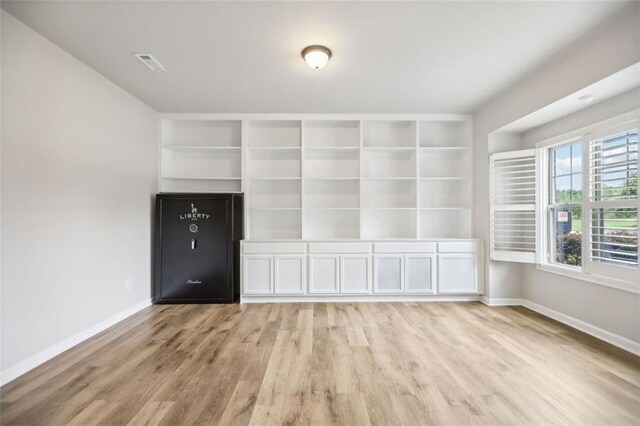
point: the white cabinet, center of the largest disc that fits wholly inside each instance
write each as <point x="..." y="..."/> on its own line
<point x="457" y="273"/>
<point x="323" y="273"/>
<point x="419" y="273"/>
<point x="388" y="273"/>
<point x="257" y="273"/>
<point x="289" y="274"/>
<point x="354" y="274"/>
<point x="352" y="269"/>
<point x="411" y="273"/>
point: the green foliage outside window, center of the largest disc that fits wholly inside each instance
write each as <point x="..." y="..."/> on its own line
<point x="569" y="249"/>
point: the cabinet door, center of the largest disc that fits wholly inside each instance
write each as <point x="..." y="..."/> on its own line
<point x="323" y="274"/>
<point x="354" y="274"/>
<point x="419" y="274"/>
<point x="388" y="273"/>
<point x="257" y="274"/>
<point x="289" y="274"/>
<point x="457" y="273"/>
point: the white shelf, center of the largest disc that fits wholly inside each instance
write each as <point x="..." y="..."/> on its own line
<point x="201" y="178"/>
<point x="276" y="208"/>
<point x="389" y="178"/>
<point x="444" y="133"/>
<point x="276" y="178"/>
<point x="274" y="163"/>
<point x="331" y="178"/>
<point x="202" y="162"/>
<point x="331" y="223"/>
<point x="389" y="163"/>
<point x="325" y="163"/>
<point x="445" y="208"/>
<point x="274" y="133"/>
<point x="388" y="223"/>
<point x="332" y="208"/>
<point x="275" y="224"/>
<point x="443" y="178"/>
<point x="274" y="193"/>
<point x="389" y="194"/>
<point x="388" y="208"/>
<point x="389" y="133"/>
<point x="448" y="193"/>
<point x="343" y="134"/>
<point x="443" y="148"/>
<point x="210" y="133"/>
<point x="332" y="148"/>
<point x="444" y="163"/>
<point x="201" y="148"/>
<point x="274" y="148"/>
<point x="445" y="223"/>
<point x="389" y="148"/>
<point x="335" y="193"/>
<point x="200" y="185"/>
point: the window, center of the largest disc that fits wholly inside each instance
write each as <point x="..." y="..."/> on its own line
<point x="571" y="204"/>
<point x="613" y="200"/>
<point x="566" y="204"/>
<point x="595" y="230"/>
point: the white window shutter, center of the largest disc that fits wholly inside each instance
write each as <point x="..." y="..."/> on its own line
<point x="513" y="206"/>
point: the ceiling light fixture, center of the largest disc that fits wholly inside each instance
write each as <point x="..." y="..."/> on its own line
<point x="316" y="56"/>
<point x="586" y="99"/>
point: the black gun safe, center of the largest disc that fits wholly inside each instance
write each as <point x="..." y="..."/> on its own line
<point x="197" y="248"/>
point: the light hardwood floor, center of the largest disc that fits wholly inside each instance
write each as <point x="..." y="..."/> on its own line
<point x="343" y="363"/>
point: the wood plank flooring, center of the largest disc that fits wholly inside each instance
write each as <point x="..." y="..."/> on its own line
<point x="323" y="364"/>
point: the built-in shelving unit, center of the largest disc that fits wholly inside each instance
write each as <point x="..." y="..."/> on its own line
<point x="444" y="196"/>
<point x="274" y="169"/>
<point x="331" y="171"/>
<point x="201" y="156"/>
<point x="324" y="177"/>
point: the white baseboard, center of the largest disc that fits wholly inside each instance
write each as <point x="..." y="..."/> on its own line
<point x="359" y="298"/>
<point x="35" y="360"/>
<point x="615" y="339"/>
<point x="500" y="302"/>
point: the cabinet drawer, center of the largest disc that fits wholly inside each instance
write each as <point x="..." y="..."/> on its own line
<point x="404" y="247"/>
<point x="339" y="247"/>
<point x="458" y="247"/>
<point x="273" y="248"/>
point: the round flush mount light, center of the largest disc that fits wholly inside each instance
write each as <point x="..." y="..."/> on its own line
<point x="316" y="56"/>
<point x="586" y="99"/>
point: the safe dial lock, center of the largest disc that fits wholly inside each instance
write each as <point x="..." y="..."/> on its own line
<point x="193" y="228"/>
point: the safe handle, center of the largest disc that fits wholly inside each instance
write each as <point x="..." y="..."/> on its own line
<point x="193" y="244"/>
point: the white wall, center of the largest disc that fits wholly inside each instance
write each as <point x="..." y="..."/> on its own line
<point x="79" y="163"/>
<point x="608" y="49"/>
<point x="604" y="307"/>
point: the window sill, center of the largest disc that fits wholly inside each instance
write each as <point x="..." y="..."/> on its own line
<point x="579" y="275"/>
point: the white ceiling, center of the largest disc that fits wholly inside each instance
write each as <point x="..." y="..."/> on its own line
<point x="389" y="57"/>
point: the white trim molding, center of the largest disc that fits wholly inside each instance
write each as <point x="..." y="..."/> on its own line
<point x="358" y="298"/>
<point x="33" y="361"/>
<point x="612" y="338"/>
<point x="500" y="301"/>
<point x="577" y="274"/>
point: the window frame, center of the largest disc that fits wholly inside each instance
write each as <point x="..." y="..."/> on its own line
<point x="627" y="279"/>
<point x="549" y="255"/>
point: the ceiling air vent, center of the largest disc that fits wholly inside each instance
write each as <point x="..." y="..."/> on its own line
<point x="151" y="62"/>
